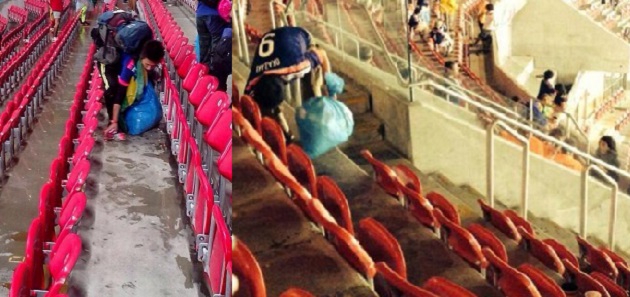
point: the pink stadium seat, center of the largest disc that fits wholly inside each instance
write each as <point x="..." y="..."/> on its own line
<point x="189" y="61"/>
<point x="185" y="51"/>
<point x="78" y="177"/>
<point x="83" y="150"/>
<point x="596" y="259"/>
<point x="487" y="239"/>
<point x="499" y="221"/>
<point x="462" y="242"/>
<point x="203" y="89"/>
<point x="225" y="163"/>
<point x="624" y="275"/>
<point x="518" y="221"/>
<point x="444" y="288"/>
<point x="447" y="208"/>
<point x="613" y="289"/>
<point x="196" y="71"/>
<point x="251" y="112"/>
<point x="510" y="281"/>
<point x="220" y="133"/>
<point x="301" y="167"/>
<point x="220" y="254"/>
<point x="583" y="281"/>
<point x="62" y="260"/>
<point x="400" y="283"/>
<point x="545" y="285"/>
<point x="383" y="174"/>
<point x="335" y="202"/>
<point x="247" y="269"/>
<point x="35" y="255"/>
<point x="21" y="281"/>
<point x="381" y="245"/>
<point x="73" y="211"/>
<point x="420" y="208"/>
<point x="541" y="251"/>
<point x="562" y="251"/>
<point x="407" y="178"/>
<point x="274" y="137"/>
<point x="295" y="292"/>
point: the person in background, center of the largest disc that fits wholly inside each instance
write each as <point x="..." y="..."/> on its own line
<point x="440" y="39"/>
<point x="486" y="24"/>
<point x="607" y="152"/>
<point x="547" y="84"/>
<point x="210" y="28"/>
<point x="221" y="55"/>
<point x="56" y="7"/>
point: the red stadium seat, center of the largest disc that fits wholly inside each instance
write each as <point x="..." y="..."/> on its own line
<point x="219" y="254"/>
<point x="21" y="281"/>
<point x="510" y="281"/>
<point x="448" y="210"/>
<point x="461" y="242"/>
<point x="487" y="239"/>
<point x="352" y="251"/>
<point x="400" y="283"/>
<point x="35" y="254"/>
<point x="295" y="292"/>
<point x="220" y="133"/>
<point x="444" y="288"/>
<point x="225" y="163"/>
<point x="301" y="167"/>
<point x="562" y="251"/>
<point x="583" y="281"/>
<point x="335" y="202"/>
<point x="274" y="137"/>
<point x="381" y="245"/>
<point x="189" y="61"/>
<point x="407" y="178"/>
<point x="192" y="78"/>
<point x="499" y="221"/>
<point x="247" y="269"/>
<point x="384" y="176"/>
<point x="518" y="221"/>
<point x="545" y="285"/>
<point x="596" y="259"/>
<point x="613" y="289"/>
<point x="251" y="112"/>
<point x="420" y="208"/>
<point x="206" y="86"/>
<point x="541" y="251"/>
<point x="62" y="260"/>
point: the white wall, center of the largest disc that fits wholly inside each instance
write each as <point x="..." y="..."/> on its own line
<point x="504" y="12"/>
<point x="447" y="139"/>
<point x="560" y="37"/>
<point x="584" y="95"/>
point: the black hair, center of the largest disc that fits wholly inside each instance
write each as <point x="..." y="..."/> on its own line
<point x="516" y="99"/>
<point x="416" y="10"/>
<point x="610" y="142"/>
<point x="153" y="50"/>
<point x="559" y="100"/>
<point x="548" y="74"/>
<point x="450" y="64"/>
<point x="557" y="133"/>
<point x="489" y="7"/>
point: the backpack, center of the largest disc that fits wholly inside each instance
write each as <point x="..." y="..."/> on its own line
<point x="414" y="21"/>
<point x="118" y="31"/>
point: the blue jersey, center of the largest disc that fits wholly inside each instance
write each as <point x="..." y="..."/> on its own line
<point x="282" y="51"/>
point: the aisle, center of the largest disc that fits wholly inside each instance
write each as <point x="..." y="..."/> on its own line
<point x="19" y="197"/>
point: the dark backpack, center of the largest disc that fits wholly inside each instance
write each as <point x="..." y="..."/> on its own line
<point x="118" y="31"/>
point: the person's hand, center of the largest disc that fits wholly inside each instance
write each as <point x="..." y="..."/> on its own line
<point x="112" y="128"/>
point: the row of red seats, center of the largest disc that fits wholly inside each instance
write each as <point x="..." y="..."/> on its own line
<point x="10" y="47"/>
<point x="35" y="6"/>
<point x="3" y="23"/>
<point x="52" y="247"/>
<point x="191" y="104"/>
<point x="610" y="103"/>
<point x="482" y="249"/>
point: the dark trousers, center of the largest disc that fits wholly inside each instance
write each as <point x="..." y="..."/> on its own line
<point x="209" y="28"/>
<point x="111" y="91"/>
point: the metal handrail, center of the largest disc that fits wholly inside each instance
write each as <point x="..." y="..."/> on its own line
<point x="613" y="204"/>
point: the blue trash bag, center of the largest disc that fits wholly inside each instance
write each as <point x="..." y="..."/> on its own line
<point x="334" y="83"/>
<point x="323" y="123"/>
<point x="144" y="113"/>
<point x="197" y="48"/>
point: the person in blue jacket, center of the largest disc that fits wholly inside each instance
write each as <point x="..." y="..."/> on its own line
<point x="210" y="26"/>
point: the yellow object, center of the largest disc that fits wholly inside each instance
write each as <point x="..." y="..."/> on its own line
<point x="448" y="6"/>
<point x="131" y="91"/>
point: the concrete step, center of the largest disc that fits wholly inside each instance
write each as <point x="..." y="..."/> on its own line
<point x="356" y="97"/>
<point x="367" y="128"/>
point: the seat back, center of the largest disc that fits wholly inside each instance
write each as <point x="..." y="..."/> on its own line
<point x="274" y="137"/>
<point x="583" y="281"/>
<point x="335" y="202"/>
<point x="596" y="258"/>
<point x="185" y="51"/>
<point x="295" y="292"/>
<point x="518" y="221"/>
<point x="446" y="207"/>
<point x="73" y="211"/>
<point x="251" y="112"/>
<point x="212" y="106"/>
<point x="562" y="251"/>
<point x="83" y="150"/>
<point x="196" y="71"/>
<point x="541" y="251"/>
<point x="65" y="257"/>
<point x="21" y="281"/>
<point x="420" y="208"/>
<point x="381" y="245"/>
<point x="487" y="239"/>
<point x="206" y="86"/>
<point x="545" y="285"/>
<point x="225" y="162"/>
<point x="445" y="288"/>
<point x="189" y="61"/>
<point x="220" y="253"/>
<point x="499" y="221"/>
<point x="510" y="281"/>
<point x="352" y="251"/>
<point x="35" y="254"/>
<point x="407" y="178"/>
<point x="461" y="242"/>
<point x="400" y="283"/>
<point x="78" y="176"/>
<point x="611" y="287"/>
<point x="301" y="168"/>
<point x="247" y="269"/>
<point x="384" y="176"/>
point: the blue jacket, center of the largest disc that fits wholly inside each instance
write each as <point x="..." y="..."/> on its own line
<point x="204" y="10"/>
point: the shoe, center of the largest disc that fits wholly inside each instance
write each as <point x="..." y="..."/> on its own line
<point x="119" y="136"/>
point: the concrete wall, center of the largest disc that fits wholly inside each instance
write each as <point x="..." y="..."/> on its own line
<point x="504" y="12"/>
<point x="567" y="41"/>
<point x="448" y="140"/>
